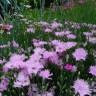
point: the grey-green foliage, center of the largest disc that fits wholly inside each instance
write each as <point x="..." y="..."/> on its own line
<point x="6" y="5"/>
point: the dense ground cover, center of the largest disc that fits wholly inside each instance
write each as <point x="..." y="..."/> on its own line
<point x="49" y="54"/>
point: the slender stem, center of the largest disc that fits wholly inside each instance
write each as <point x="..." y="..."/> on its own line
<point x="42" y="6"/>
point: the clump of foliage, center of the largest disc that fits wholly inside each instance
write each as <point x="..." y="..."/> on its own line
<point x="7" y="6"/>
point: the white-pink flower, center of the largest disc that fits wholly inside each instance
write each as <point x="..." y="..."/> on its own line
<point x="31" y="30"/>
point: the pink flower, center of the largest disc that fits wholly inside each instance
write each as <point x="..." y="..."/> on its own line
<point x="39" y="51"/>
<point x="62" y="33"/>
<point x="15" y="44"/>
<point x="22" y="80"/>
<point x="88" y="34"/>
<point x="6" y="27"/>
<point x="59" y="33"/>
<point x="4" y="46"/>
<point x="16" y="61"/>
<point x="80" y="54"/>
<point x="64" y="46"/>
<point x="81" y="87"/>
<point x="48" y="30"/>
<point x="4" y="84"/>
<point x="2" y="61"/>
<point x="55" y="42"/>
<point x="92" y="40"/>
<point x="15" y="64"/>
<point x="38" y="43"/>
<point x="33" y="67"/>
<point x="70" y="67"/>
<point x="51" y="56"/>
<point x="67" y="32"/>
<point x="45" y="74"/>
<point x="34" y="64"/>
<point x="61" y="47"/>
<point x="92" y="70"/>
<point x="17" y="57"/>
<point x="71" y="36"/>
<point x="70" y="44"/>
<point x="56" y="25"/>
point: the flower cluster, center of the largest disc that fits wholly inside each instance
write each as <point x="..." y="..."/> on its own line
<point x="48" y="55"/>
